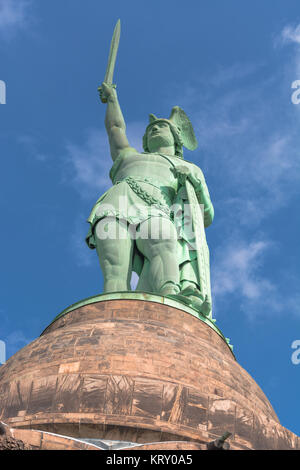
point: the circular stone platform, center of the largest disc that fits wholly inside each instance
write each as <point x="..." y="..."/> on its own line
<point x="138" y="371"/>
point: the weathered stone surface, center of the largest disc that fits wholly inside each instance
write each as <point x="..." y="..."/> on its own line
<point x="136" y="371"/>
<point x="21" y="439"/>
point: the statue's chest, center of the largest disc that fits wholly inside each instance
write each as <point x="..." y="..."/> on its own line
<point x="146" y="165"/>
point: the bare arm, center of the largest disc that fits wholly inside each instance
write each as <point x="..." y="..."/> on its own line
<point x="114" y="121"/>
<point x="204" y="198"/>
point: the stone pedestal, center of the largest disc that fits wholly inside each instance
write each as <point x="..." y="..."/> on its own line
<point x="139" y="369"/>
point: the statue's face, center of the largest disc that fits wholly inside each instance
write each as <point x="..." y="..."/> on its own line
<point x="159" y="135"/>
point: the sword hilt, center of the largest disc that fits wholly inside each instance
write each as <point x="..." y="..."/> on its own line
<point x="100" y="90"/>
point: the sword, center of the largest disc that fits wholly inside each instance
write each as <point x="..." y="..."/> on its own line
<point x="201" y="248"/>
<point x="114" y="45"/>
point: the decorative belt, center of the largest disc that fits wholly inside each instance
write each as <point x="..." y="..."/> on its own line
<point x="150" y="200"/>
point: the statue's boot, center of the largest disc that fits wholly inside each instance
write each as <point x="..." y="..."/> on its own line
<point x="205" y="308"/>
<point x="169" y="288"/>
<point x="196" y="300"/>
<point x="177" y="295"/>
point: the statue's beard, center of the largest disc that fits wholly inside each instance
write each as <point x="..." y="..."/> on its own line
<point x="157" y="141"/>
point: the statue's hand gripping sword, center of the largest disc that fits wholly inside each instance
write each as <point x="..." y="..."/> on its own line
<point x="108" y="79"/>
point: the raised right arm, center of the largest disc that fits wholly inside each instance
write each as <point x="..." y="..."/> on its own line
<point x="114" y="121"/>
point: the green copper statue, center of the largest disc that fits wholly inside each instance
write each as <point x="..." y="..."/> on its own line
<point x="152" y="219"/>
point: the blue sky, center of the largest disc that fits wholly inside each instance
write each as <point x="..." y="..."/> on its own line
<point x="230" y="66"/>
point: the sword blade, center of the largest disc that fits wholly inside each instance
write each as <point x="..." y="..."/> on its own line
<point x="113" y="54"/>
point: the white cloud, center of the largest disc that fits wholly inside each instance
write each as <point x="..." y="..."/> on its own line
<point x="88" y="164"/>
<point x="248" y="145"/>
<point x="31" y="144"/>
<point x="235" y="270"/>
<point x="17" y="337"/>
<point x="83" y="256"/>
<point x="291" y="34"/>
<point x="292" y="303"/>
<point x="233" y="73"/>
<point x="238" y="274"/>
<point x="16" y="340"/>
<point x="265" y="180"/>
<point x="249" y="151"/>
<point x="12" y="343"/>
<point x="13" y="15"/>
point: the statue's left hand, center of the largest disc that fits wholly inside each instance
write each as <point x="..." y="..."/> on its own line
<point x="182" y="172"/>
